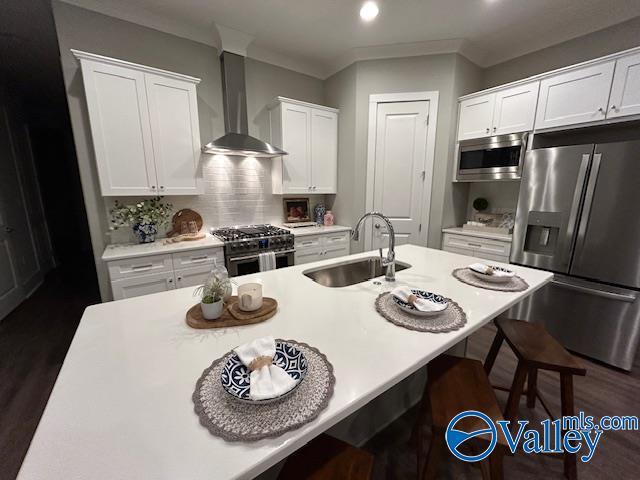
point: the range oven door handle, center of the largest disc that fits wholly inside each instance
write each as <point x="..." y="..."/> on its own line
<point x="630" y="298"/>
<point x="250" y="257"/>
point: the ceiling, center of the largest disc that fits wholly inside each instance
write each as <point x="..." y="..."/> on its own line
<point x="323" y="36"/>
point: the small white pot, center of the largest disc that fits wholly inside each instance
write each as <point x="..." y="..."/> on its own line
<point x="211" y="311"/>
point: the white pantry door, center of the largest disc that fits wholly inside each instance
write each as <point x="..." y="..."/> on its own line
<point x="400" y="170"/>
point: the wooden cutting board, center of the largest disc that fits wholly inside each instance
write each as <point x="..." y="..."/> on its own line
<point x="184" y="215"/>
<point x="195" y="319"/>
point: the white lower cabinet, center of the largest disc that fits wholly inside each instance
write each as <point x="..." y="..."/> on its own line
<point x="191" y="277"/>
<point x="314" y="248"/>
<point x="137" y="276"/>
<point x="142" y="285"/>
<point x="489" y="249"/>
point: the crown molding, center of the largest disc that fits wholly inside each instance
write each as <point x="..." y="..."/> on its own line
<point x="399" y="50"/>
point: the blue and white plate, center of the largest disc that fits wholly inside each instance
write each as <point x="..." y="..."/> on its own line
<point x="494" y="278"/>
<point x="235" y="375"/>
<point x="432" y="297"/>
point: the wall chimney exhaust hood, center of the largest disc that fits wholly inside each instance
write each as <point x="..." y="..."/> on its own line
<point x="237" y="140"/>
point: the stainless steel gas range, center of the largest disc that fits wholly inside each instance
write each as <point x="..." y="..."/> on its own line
<point x="244" y="244"/>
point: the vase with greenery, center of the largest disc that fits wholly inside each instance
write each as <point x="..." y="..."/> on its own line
<point x="212" y="295"/>
<point x="144" y="217"/>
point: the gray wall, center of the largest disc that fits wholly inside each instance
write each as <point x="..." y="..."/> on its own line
<point x="597" y="44"/>
<point x="90" y="31"/>
<point x="424" y="73"/>
<point x="340" y="92"/>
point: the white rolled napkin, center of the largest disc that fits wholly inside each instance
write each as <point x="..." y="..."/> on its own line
<point x="267" y="380"/>
<point x="403" y="293"/>
<point x="482" y="268"/>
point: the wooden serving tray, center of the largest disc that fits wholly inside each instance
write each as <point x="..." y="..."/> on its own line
<point x="232" y="316"/>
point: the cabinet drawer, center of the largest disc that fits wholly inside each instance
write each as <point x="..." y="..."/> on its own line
<point x="140" y="266"/>
<point x="205" y="256"/>
<point x="192" y="277"/>
<point x="495" y="247"/>
<point x="142" y="285"/>
<point x="341" y="238"/>
<point x="308" y="242"/>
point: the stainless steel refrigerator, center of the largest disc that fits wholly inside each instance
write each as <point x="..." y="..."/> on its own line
<point x="578" y="215"/>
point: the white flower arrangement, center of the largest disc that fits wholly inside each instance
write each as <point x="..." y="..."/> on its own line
<point x="147" y="212"/>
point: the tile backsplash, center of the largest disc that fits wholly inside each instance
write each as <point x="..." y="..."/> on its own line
<point x="237" y="191"/>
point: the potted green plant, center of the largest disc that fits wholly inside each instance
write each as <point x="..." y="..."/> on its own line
<point x="144" y="217"/>
<point x="212" y="297"/>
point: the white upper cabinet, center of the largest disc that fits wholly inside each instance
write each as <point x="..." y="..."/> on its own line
<point x="625" y="91"/>
<point x="144" y="124"/>
<point x="309" y="134"/>
<point x="173" y="111"/>
<point x="576" y="96"/>
<point x="506" y="111"/>
<point x="515" y="109"/>
<point x="476" y="117"/>
<point x="296" y="141"/>
<point x="324" y="151"/>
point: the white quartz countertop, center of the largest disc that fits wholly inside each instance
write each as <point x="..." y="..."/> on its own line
<point x="122" y="408"/>
<point x="316" y="230"/>
<point x="130" y="250"/>
<point x="505" y="237"/>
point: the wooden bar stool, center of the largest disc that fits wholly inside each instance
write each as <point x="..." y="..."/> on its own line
<point x="454" y="385"/>
<point x="327" y="458"/>
<point x="536" y="350"/>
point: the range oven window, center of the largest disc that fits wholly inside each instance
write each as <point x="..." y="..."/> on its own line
<point x="502" y="157"/>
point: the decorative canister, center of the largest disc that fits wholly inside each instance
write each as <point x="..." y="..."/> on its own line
<point x="328" y="218"/>
<point x="319" y="212"/>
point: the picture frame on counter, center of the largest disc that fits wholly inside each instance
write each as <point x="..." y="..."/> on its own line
<point x="296" y="210"/>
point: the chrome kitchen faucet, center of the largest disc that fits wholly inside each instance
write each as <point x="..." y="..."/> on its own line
<point x="390" y="261"/>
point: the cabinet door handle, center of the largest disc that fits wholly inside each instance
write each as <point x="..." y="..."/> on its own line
<point x="601" y="110"/>
<point x="179" y="279"/>
<point x="474" y="245"/>
<point x="171" y="280"/>
<point x="199" y="259"/>
<point x="142" y="267"/>
<point x="153" y="187"/>
<point x="8" y="229"/>
<point x="487" y="129"/>
<point x="495" y="128"/>
<point x="613" y="107"/>
<point x="161" y="187"/>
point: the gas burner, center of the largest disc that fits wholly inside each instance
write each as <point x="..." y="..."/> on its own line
<point x="229" y="234"/>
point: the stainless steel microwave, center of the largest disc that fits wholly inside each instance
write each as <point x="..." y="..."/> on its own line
<point x="492" y="158"/>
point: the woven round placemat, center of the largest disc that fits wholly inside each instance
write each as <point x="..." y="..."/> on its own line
<point x="450" y="319"/>
<point x="516" y="284"/>
<point x="236" y="421"/>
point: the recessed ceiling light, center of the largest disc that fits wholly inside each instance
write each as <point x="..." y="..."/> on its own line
<point x="369" y="11"/>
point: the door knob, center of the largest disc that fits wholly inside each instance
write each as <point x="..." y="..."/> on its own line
<point x="8" y="229"/>
<point x="377" y="225"/>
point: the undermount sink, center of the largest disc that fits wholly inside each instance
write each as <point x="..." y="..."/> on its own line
<point x="349" y="273"/>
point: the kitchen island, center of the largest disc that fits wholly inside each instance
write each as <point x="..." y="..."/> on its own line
<point x="121" y="407"/>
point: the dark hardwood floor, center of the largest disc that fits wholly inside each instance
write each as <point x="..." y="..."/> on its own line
<point x="34" y="340"/>
<point x="603" y="391"/>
